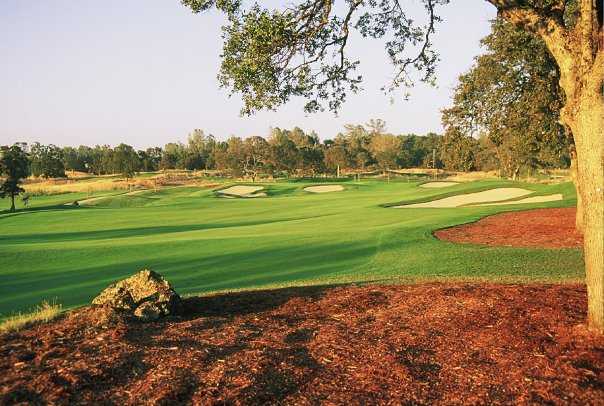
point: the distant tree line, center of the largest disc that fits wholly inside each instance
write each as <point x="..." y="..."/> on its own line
<point x="283" y="153"/>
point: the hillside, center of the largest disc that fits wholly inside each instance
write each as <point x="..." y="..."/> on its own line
<point x="421" y="344"/>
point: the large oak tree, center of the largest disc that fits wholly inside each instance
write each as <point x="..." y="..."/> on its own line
<point x="511" y="99"/>
<point x="272" y="55"/>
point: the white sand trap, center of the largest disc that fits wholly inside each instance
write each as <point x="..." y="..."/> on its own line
<point x="324" y="188"/>
<point x="243" y="191"/>
<point x="534" y="199"/>
<point x="437" y="185"/>
<point x="492" y="195"/>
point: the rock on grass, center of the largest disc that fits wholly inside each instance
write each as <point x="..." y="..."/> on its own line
<point x="145" y="295"/>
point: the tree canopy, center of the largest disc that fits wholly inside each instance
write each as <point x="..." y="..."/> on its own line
<point x="272" y="55"/>
<point x="14" y="167"/>
<point x="512" y="98"/>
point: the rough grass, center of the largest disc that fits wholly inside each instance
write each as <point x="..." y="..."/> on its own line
<point x="89" y="186"/>
<point x="44" y="312"/>
<point x="206" y="244"/>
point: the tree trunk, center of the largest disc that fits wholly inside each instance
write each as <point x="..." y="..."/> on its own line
<point x="575" y="177"/>
<point x="588" y="129"/>
<point x="12" y="202"/>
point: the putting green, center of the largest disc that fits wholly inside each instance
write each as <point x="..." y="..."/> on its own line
<point x="203" y="243"/>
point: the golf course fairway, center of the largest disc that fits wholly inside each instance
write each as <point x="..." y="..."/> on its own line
<point x="203" y="243"/>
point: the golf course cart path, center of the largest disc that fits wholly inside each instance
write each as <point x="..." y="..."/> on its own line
<point x="243" y="191"/>
<point x="324" y="188"/>
<point x="136" y="192"/>
<point x="492" y="195"/>
<point x="91" y="200"/>
<point x="437" y="185"/>
<point x="526" y="200"/>
<point x="411" y="344"/>
<point x="543" y="228"/>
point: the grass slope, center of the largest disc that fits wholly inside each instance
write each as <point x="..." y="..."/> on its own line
<point x="202" y="243"/>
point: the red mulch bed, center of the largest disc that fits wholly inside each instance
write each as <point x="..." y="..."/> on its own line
<point x="545" y="228"/>
<point x="418" y="344"/>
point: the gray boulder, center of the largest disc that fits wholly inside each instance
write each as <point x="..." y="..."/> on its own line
<point x="145" y="295"/>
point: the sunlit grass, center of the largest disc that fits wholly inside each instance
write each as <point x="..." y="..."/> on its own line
<point x="43" y="313"/>
<point x="204" y="244"/>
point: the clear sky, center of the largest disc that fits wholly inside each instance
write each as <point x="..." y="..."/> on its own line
<point x="143" y="72"/>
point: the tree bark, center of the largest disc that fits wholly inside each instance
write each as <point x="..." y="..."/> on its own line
<point x="574" y="174"/>
<point x="12" y="202"/>
<point x="588" y="128"/>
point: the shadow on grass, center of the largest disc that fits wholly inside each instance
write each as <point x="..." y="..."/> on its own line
<point x="4" y="214"/>
<point x="189" y="272"/>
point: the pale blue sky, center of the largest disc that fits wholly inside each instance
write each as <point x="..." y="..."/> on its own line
<point x="144" y="72"/>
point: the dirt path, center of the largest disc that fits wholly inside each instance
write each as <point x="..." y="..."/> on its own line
<point x="90" y="200"/>
<point x="547" y="228"/>
<point x="492" y="195"/>
<point x="423" y="344"/>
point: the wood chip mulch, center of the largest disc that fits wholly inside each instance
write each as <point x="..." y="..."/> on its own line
<point x="545" y="228"/>
<point x="415" y="344"/>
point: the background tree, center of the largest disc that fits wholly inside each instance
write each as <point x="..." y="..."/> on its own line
<point x="96" y="160"/>
<point x="14" y="167"/>
<point x="234" y="158"/>
<point x="85" y="155"/>
<point x="458" y="151"/>
<point x="255" y="156"/>
<point x="47" y="161"/>
<point x="418" y="151"/>
<point x="357" y="143"/>
<point x="336" y="154"/>
<point x="173" y="156"/>
<point x="386" y="149"/>
<point x="376" y="126"/>
<point x="150" y="159"/>
<point x="125" y="161"/>
<point x="309" y="151"/>
<point x="198" y="150"/>
<point x="512" y="96"/>
<point x="312" y="160"/>
<point x="284" y="155"/>
<point x="219" y="155"/>
<point x="72" y="160"/>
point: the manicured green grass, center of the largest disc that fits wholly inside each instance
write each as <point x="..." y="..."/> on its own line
<point x="204" y="243"/>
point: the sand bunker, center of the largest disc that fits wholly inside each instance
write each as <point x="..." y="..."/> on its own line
<point x="437" y="185"/>
<point x="324" y="188"/>
<point x="242" y="191"/>
<point x="492" y="195"/>
<point x="534" y="199"/>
